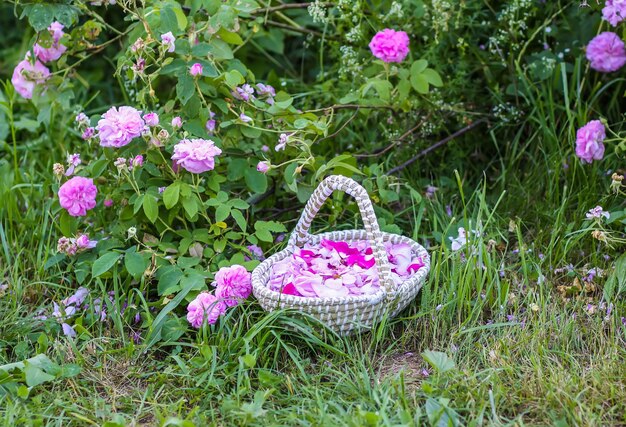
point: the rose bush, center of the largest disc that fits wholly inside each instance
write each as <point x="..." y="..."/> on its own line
<point x="186" y="153"/>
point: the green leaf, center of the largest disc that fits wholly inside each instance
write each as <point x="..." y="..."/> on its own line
<point x="616" y="282"/>
<point x="35" y="375"/>
<point x="185" y="87"/>
<point x="169" y="280"/>
<point x="193" y="281"/>
<point x="432" y="77"/>
<point x="173" y="328"/>
<point x="249" y="360"/>
<point x="169" y="22"/>
<point x="220" y="50"/>
<point x="222" y="212"/>
<point x="264" y="235"/>
<point x="67" y="223"/>
<point x="255" y="180"/>
<point x="233" y="78"/>
<point x="438" y="360"/>
<point x="171" y="195"/>
<point x="150" y="207"/>
<point x="230" y="37"/>
<point x="135" y="264"/>
<point x="273" y="226"/>
<point x="190" y="204"/>
<point x="40" y="16"/>
<point x="104" y="263"/>
<point x="238" y="204"/>
<point x="239" y="219"/>
<point x="419" y="83"/>
<point x="418" y="66"/>
<point x="383" y="88"/>
<point x="237" y="169"/>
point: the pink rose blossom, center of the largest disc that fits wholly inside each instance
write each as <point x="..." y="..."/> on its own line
<point x="589" y="146"/>
<point x="118" y="127"/>
<point x="614" y="11"/>
<point x="390" y="46"/>
<point x="78" y="195"/>
<point x="177" y="122"/>
<point x="108" y="203"/>
<point x="195" y="155"/>
<point x="263" y="167"/>
<point x="606" y="52"/>
<point x="55" y="51"/>
<point x="196" y="69"/>
<point x="168" y="41"/>
<point x="205" y="308"/>
<point x="27" y="75"/>
<point x="233" y="284"/>
<point x="151" y="119"/>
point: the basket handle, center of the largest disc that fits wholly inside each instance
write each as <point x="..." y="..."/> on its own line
<point x="323" y="191"/>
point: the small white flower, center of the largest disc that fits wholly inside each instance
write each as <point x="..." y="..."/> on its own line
<point x="460" y="241"/>
<point x="132" y="232"/>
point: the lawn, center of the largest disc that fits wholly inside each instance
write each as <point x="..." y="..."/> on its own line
<point x="521" y="320"/>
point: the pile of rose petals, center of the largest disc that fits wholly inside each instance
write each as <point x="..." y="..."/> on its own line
<point x="339" y="269"/>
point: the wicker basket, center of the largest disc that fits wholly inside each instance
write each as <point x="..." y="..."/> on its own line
<point x="346" y="314"/>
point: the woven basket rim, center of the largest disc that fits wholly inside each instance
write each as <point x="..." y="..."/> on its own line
<point x="259" y="285"/>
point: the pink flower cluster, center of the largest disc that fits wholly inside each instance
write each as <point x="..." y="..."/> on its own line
<point x="55" y="51"/>
<point x="606" y="52"/>
<point x="246" y="93"/>
<point x="118" y="127"/>
<point x="72" y="246"/>
<point x="232" y="284"/>
<point x="78" y="195"/>
<point x="29" y="73"/>
<point x="614" y="11"/>
<point x="339" y="269"/>
<point x="195" y="155"/>
<point x="589" y="138"/>
<point x="390" y="45"/>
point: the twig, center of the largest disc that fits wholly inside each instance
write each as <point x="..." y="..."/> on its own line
<point x="288" y="6"/>
<point x="342" y="127"/>
<point x="394" y="142"/>
<point x="437" y="145"/>
<point x="352" y="107"/>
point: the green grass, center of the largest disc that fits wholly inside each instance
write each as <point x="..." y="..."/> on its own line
<point x="554" y="363"/>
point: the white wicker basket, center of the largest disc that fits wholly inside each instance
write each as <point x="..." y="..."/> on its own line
<point x="346" y="314"/>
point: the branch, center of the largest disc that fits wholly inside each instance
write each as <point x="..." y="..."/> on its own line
<point x="288" y="6"/>
<point x="394" y="142"/>
<point x="437" y="145"/>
